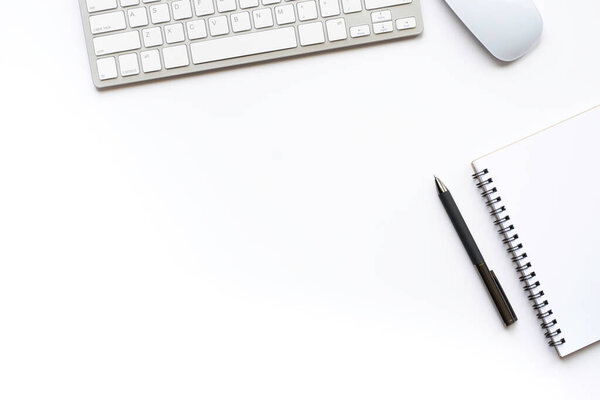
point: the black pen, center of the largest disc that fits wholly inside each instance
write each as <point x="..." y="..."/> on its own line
<point x="489" y="278"/>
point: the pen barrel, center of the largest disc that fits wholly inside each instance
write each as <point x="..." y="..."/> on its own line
<point x="461" y="228"/>
<point x="497" y="293"/>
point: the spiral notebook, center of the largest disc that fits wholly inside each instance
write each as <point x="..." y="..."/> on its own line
<point x="543" y="194"/>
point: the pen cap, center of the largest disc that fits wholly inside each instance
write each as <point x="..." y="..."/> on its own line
<point x="497" y="293"/>
<point x="506" y="311"/>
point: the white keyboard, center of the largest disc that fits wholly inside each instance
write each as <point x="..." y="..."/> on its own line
<point x="136" y="40"/>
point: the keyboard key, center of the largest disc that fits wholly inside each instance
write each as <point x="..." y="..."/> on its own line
<point x="101" y="5"/>
<point x="240" y="22"/>
<point x="152" y="37"/>
<point x="351" y="6"/>
<point x="383" y="27"/>
<point x="263" y="18"/>
<point x="360" y="30"/>
<point x="174" y="33"/>
<point x="137" y="17"/>
<point x="109" y="22"/>
<point x="268" y="2"/>
<point x="129" y="3"/>
<point x="381" y="16"/>
<point x="248" y="3"/>
<point x="116" y="43"/>
<point x="406" y="23"/>
<point x="150" y="61"/>
<point x="182" y="9"/>
<point x="196" y="29"/>
<point x="226" y="5"/>
<point x="307" y="10"/>
<point x="204" y="7"/>
<point x="243" y="45"/>
<point x="218" y="26"/>
<point x="373" y="4"/>
<point x="176" y="57"/>
<point x="107" y="68"/>
<point x="329" y="8"/>
<point x="336" y="29"/>
<point x="285" y="14"/>
<point x="160" y="13"/>
<point x="311" y="33"/>
<point x="129" y="64"/>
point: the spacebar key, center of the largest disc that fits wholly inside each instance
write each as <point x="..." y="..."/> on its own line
<point x="243" y="45"/>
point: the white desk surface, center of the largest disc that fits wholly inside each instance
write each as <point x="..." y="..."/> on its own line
<point x="272" y="231"/>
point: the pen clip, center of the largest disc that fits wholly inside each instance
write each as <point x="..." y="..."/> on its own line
<point x="513" y="316"/>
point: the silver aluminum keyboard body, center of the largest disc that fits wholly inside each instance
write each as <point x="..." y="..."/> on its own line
<point x="175" y="38"/>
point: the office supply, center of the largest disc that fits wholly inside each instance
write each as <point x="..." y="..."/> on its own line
<point x="543" y="195"/>
<point x="489" y="278"/>
<point x="131" y="40"/>
<point x="507" y="28"/>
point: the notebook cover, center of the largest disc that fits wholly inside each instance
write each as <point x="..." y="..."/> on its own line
<point x="549" y="185"/>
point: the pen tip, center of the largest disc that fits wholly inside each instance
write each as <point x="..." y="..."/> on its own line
<point x="441" y="188"/>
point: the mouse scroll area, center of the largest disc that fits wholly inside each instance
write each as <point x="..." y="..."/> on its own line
<point x="508" y="29"/>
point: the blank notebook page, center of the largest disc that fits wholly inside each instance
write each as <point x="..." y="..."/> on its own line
<point x="550" y="185"/>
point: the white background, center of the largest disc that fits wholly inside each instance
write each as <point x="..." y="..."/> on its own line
<point x="272" y="231"/>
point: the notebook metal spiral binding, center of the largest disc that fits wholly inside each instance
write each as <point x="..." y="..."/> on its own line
<point x="515" y="248"/>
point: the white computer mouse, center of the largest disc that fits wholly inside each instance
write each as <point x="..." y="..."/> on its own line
<point x="507" y="28"/>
